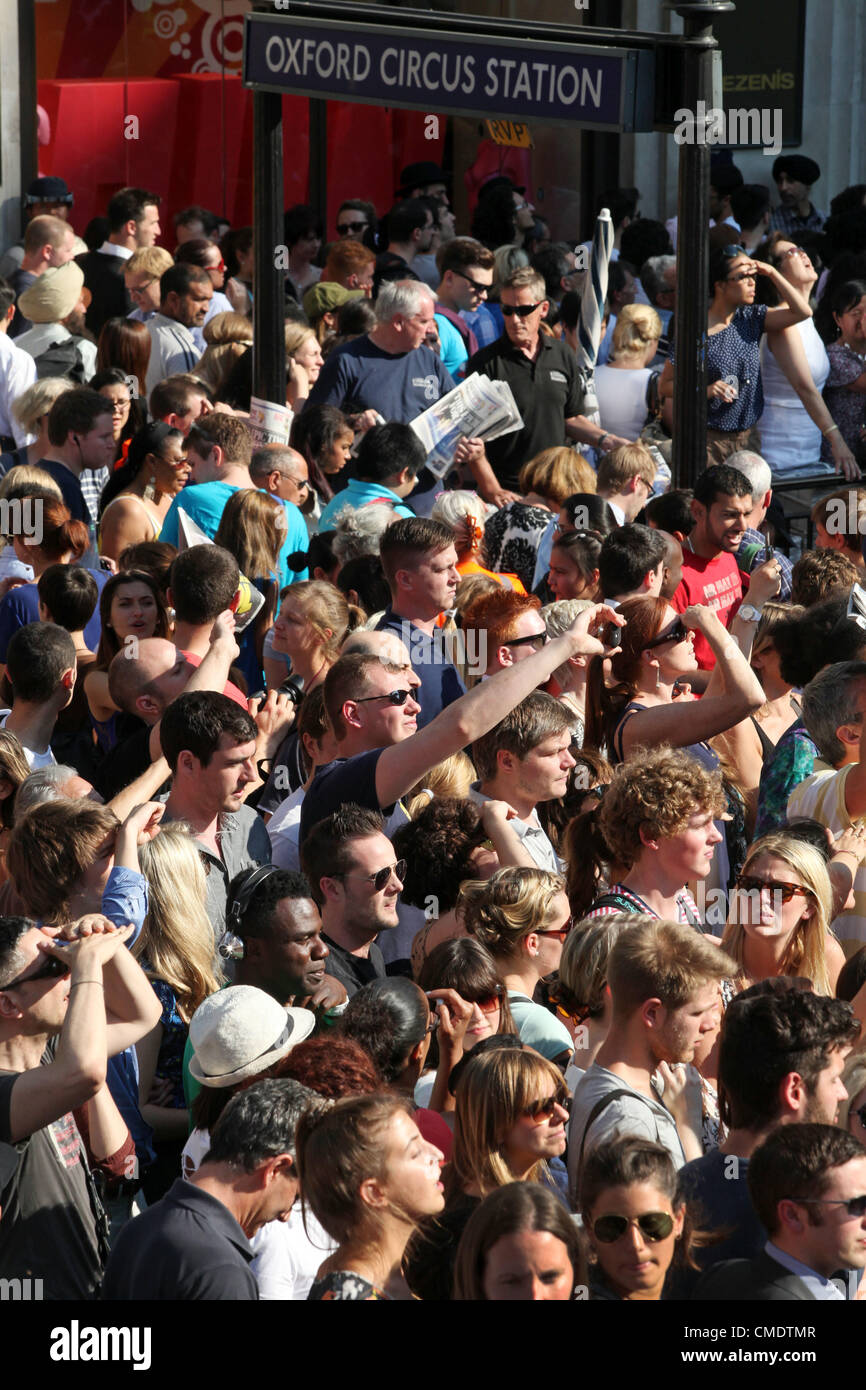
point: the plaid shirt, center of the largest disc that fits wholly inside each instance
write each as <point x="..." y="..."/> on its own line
<point x="752" y="538"/>
<point x="789" y="221"/>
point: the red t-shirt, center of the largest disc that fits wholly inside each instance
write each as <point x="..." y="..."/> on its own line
<point x="718" y="583"/>
<point x="229" y="688"/>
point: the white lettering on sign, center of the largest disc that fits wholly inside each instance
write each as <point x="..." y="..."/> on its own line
<point x="436" y="70"/>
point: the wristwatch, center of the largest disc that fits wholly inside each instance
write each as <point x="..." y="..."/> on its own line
<point x="749" y="613"/>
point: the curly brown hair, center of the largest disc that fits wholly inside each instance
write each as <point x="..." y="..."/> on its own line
<point x="658" y="791"/>
<point x="332" y="1066"/>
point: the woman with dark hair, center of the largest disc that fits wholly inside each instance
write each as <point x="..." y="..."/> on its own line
<point x="393" y="1021"/>
<point x="795" y="366"/>
<point x="128" y="409"/>
<point x="736" y="323"/>
<point x="137" y="496"/>
<point x="502" y="217"/>
<point x="302" y="229"/>
<point x="466" y="967"/>
<point x="323" y="434"/>
<point x="358" y="220"/>
<point x="363" y="582"/>
<point x="843" y="328"/>
<point x="125" y="344"/>
<point x="573" y="571"/>
<point x="131" y="605"/>
<point x="636" y="1219"/>
<point x="520" y="1245"/>
<point x="370" y="1178"/>
<point x="237" y="249"/>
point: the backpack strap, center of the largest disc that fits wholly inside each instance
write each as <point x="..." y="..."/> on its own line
<point x="597" y="1109"/>
<point x="617" y="900"/>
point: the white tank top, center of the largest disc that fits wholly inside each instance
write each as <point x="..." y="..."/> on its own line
<point x="789" y="439"/>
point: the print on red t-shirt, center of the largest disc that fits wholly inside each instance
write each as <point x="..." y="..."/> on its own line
<point x="718" y="583"/>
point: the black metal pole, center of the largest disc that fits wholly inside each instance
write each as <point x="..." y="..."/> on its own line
<point x="693" y="220"/>
<point x="29" y="156"/>
<point x="318" y="160"/>
<point x="269" y="344"/>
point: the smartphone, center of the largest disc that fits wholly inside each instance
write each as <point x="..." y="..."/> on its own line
<point x="769" y="552"/>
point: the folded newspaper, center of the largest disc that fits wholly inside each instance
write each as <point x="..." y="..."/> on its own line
<point x="478" y="409"/>
<point x="248" y="600"/>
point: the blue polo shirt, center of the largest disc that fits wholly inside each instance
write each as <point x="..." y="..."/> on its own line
<point x="440" y="681"/>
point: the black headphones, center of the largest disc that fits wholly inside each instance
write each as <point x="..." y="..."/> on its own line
<point x="242" y="899"/>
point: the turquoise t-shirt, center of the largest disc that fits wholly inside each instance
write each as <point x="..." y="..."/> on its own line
<point x="204" y="504"/>
<point x="538" y="1028"/>
<point x="453" y="348"/>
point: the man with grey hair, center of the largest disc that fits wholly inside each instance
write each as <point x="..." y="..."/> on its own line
<point x="834" y="713"/>
<point x="194" y="1244"/>
<point x="389" y="371"/>
<point x="753" y="547"/>
<point x="658" y="275"/>
<point x="543" y="376"/>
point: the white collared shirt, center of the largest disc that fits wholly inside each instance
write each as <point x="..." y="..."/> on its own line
<point x="17" y="373"/>
<point x="110" y="248"/>
<point x="818" y="1286"/>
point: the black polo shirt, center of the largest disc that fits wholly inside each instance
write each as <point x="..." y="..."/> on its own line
<point x="187" y="1246"/>
<point x="547" y="392"/>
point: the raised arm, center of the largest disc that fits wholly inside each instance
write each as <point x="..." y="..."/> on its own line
<point x="795" y="306"/>
<point x="464" y="721"/>
<point x="78" y="1070"/>
<point x="694" y="721"/>
<point x="213" y="671"/>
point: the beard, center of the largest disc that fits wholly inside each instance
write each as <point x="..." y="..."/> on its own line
<point x="74" y="323"/>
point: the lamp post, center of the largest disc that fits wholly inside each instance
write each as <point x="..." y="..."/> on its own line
<point x="693" y="217"/>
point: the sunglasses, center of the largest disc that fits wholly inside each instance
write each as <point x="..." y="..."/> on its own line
<point x="396" y="697"/>
<point x="677" y="632"/>
<point x="300" y="483"/>
<point x="521" y="310"/>
<point x="433" y="1022"/>
<point x="53" y="969"/>
<point x="488" y="1003"/>
<point x="786" y="891"/>
<point x="543" y="1110"/>
<point x="533" y="637"/>
<point x="854" y="1206"/>
<point x="479" y="289"/>
<point x="221" y="265"/>
<point x="344" y="228"/>
<point x="381" y="877"/>
<point x="561" y="932"/>
<point x="653" y="1225"/>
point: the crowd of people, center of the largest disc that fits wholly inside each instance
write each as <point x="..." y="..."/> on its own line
<point x="472" y="868"/>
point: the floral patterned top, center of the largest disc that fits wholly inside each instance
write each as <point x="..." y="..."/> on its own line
<point x="847" y="407"/>
<point x="345" y="1286"/>
<point x="511" y="538"/>
<point x="795" y="759"/>
<point x="169" y="1063"/>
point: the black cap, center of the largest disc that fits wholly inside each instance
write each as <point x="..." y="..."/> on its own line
<point x="419" y="174"/>
<point x="48" y="190"/>
<point x="798" y="167"/>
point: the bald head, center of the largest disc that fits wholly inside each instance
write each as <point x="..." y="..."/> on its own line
<point x="144" y="678"/>
<point x="386" y="645"/>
